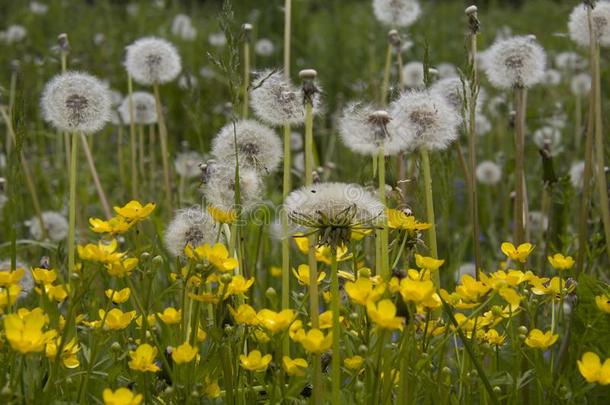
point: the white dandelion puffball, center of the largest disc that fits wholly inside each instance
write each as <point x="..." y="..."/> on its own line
<point x="76" y="102"/>
<point x="182" y="27"/>
<point x="193" y="226"/>
<point x="364" y="130"/>
<point x="330" y="203"/>
<point x="55" y="225"/>
<point x="217" y="39"/>
<point x="187" y="81"/>
<point x="26" y="282"/>
<point x="413" y="73"/>
<point x="144" y="109"/>
<point x="538" y="222"/>
<point x="446" y="70"/>
<point x="516" y="62"/>
<point x="577" y="172"/>
<point x="570" y="61"/>
<point x="581" y="84"/>
<point x="152" y="60"/>
<point x="264" y="47"/>
<point x="13" y="34"/>
<point x="277" y="101"/>
<point x="424" y="120"/>
<point x="548" y="138"/>
<point x="38" y="8"/>
<point x="397" y="13"/>
<point x="488" y="173"/>
<point x="187" y="164"/>
<point x="551" y="77"/>
<point x="578" y="24"/>
<point x="482" y="125"/>
<point x="258" y="146"/>
<point x="456" y="91"/>
<point x="219" y="185"/>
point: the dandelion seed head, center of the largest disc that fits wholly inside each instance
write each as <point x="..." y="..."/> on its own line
<point x="413" y="73"/>
<point x="578" y="24"/>
<point x="456" y="91"/>
<point x="258" y="146"/>
<point x="516" y="62"/>
<point x="219" y="185"/>
<point x="187" y="81"/>
<point x="488" y="173"/>
<point x="217" y="39"/>
<point x="424" y="120"/>
<point x="26" y="282"/>
<point x="277" y="101"/>
<point x="446" y="70"/>
<point x="364" y="130"/>
<point x="482" y="125"/>
<point x="551" y="77"/>
<point x="194" y="226"/>
<point x="182" y="27"/>
<point x="570" y="61"/>
<point x="577" y="172"/>
<point x="397" y="13"/>
<point x="548" y="138"/>
<point x="152" y="60"/>
<point x="538" y="222"/>
<point x="13" y="34"/>
<point x="264" y="47"/>
<point x="76" y="102"/>
<point x="38" y="8"/>
<point x="55" y="225"/>
<point x="581" y="84"/>
<point x="333" y="209"/>
<point x="144" y="109"/>
<point x="187" y="164"/>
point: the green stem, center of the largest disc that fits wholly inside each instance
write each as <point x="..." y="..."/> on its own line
<point x="520" y="220"/>
<point x="386" y="76"/>
<point x="164" y="150"/>
<point x="336" y="356"/>
<point x="246" y="78"/>
<point x="96" y="178"/>
<point x="132" y="140"/>
<point x="425" y="160"/>
<point x="72" y="206"/>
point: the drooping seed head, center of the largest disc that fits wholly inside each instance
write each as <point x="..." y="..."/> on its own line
<point x="76" y="102"/>
<point x="152" y="60"/>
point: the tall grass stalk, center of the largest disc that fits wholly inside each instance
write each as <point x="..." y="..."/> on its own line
<point x="520" y="217"/>
<point x="425" y="162"/>
<point x="383" y="233"/>
<point x="164" y="150"/>
<point x="286" y="186"/>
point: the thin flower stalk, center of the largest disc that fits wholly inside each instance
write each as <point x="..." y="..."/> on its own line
<point x="132" y="140"/>
<point x="164" y="149"/>
<point x="96" y="178"/>
<point x="520" y="187"/>
<point x="247" y="31"/>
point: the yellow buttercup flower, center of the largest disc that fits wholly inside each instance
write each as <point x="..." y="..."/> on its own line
<point x="55" y="292"/>
<point x="554" y="287"/>
<point x="276" y="271"/>
<point x="314" y="341"/>
<point x="185" y="353"/>
<point x="205" y="297"/>
<point x="326" y="320"/>
<point x="170" y="315"/>
<point x="494" y="338"/>
<point x="295" y="330"/>
<point x="363" y="290"/>
<point x="102" y="252"/>
<point x="224" y="217"/>
<point x="245" y="315"/>
<point x="116" y="319"/>
<point x="428" y="263"/>
<point x="275" y="322"/>
<point x="216" y="255"/>
<point x="122" y="268"/>
<point x="151" y="319"/>
<point x="211" y="388"/>
<point x="254" y="361"/>
<point x="399" y="220"/>
<point x="122" y="396"/>
<point x="44" y="276"/>
<point x="383" y="314"/>
<point x="24" y="330"/>
<point x="354" y="363"/>
<point x="302" y="275"/>
<point x="238" y="285"/>
<point x="416" y="291"/>
<point x="603" y="303"/>
<point x="8" y="278"/>
<point x="561" y="262"/>
<point x="69" y="353"/>
<point x="520" y="253"/>
<point x="472" y="290"/>
<point x="323" y="253"/>
<point x="201" y="335"/>
<point x="9" y="295"/>
<point x="592" y="369"/>
<point x="540" y="340"/>
<point x="511" y="296"/>
<point x="134" y="211"/>
<point x="118" y="297"/>
<point x="143" y="358"/>
<point x="114" y="226"/>
<point x="294" y="367"/>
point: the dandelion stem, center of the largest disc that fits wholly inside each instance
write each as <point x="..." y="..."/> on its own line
<point x="132" y="140"/>
<point x="96" y="179"/>
<point x="520" y="220"/>
<point x="141" y="151"/>
<point x="425" y="160"/>
<point x="336" y="356"/>
<point x="287" y="36"/>
<point x="72" y="205"/>
<point x="386" y="76"/>
<point x="383" y="233"/>
<point x="120" y="156"/>
<point x="164" y="150"/>
<point x="602" y="184"/>
<point x="246" y="83"/>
